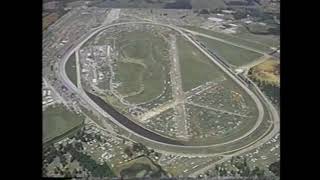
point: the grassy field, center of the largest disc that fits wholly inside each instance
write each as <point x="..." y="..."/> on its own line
<point x="232" y="54"/>
<point x="244" y="39"/>
<point x="49" y="19"/>
<point x="130" y="77"/>
<point x="57" y="120"/>
<point x="148" y="50"/>
<point x="196" y="68"/>
<point x="138" y="48"/>
<point x="270" y="40"/>
<point x="71" y="69"/>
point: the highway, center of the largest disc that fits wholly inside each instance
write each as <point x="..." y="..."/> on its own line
<point x="93" y="105"/>
<point x="78" y="70"/>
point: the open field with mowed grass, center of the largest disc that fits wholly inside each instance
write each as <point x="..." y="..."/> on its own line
<point x="49" y="19"/>
<point x="57" y="120"/>
<point x="130" y="77"/>
<point x="150" y="51"/>
<point x="196" y="68"/>
<point x="245" y="40"/>
<point x="270" y="40"/>
<point x="232" y="54"/>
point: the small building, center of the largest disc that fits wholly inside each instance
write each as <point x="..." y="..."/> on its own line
<point x="233" y="25"/>
<point x="44" y="92"/>
<point x="215" y="19"/>
<point x="228" y="11"/>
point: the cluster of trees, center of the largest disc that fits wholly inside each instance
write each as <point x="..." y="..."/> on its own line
<point x="258" y="15"/>
<point x="51" y="152"/>
<point x="179" y="4"/>
<point x="275" y="168"/>
<point x="240" y="14"/>
<point x="75" y="149"/>
<point x="84" y="137"/>
<point x="204" y="11"/>
<point x="87" y="162"/>
<point x="145" y="152"/>
<point x="240" y="3"/>
<point x="66" y="172"/>
<point x="84" y="160"/>
<point x="275" y="30"/>
<point x="243" y="170"/>
<point x="272" y="91"/>
<point x="91" y="165"/>
<point x="138" y="148"/>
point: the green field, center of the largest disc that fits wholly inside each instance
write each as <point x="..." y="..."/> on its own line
<point x="71" y="69"/>
<point x="138" y="48"/>
<point x="245" y="39"/>
<point x="57" y="120"/>
<point x="130" y="77"/>
<point x="150" y="51"/>
<point x="270" y="40"/>
<point x="232" y="54"/>
<point x="196" y="68"/>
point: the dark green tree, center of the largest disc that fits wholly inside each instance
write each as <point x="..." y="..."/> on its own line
<point x="275" y="168"/>
<point x="128" y="151"/>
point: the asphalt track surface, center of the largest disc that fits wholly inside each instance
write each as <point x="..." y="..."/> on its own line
<point x="93" y="105"/>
